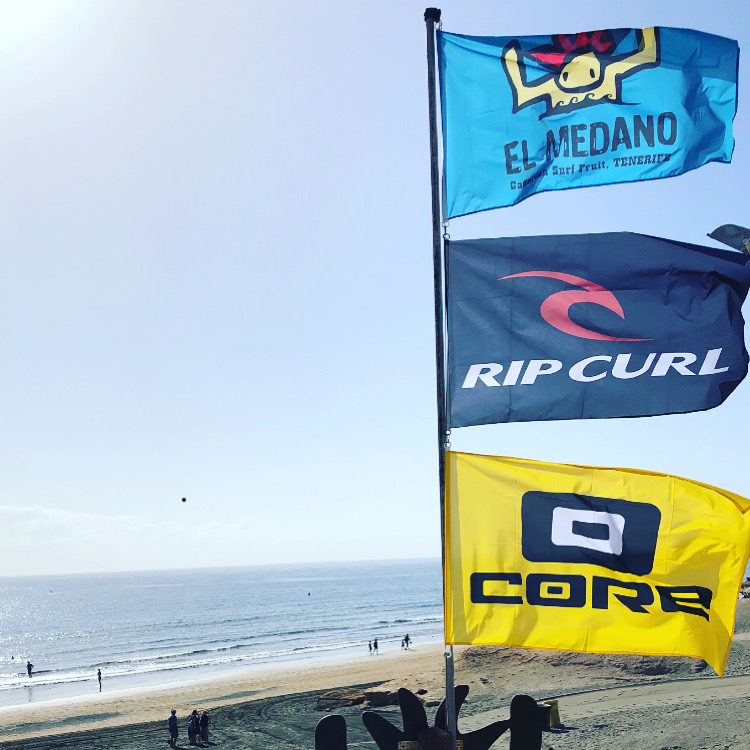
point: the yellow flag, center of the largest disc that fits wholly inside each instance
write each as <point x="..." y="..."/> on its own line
<point x="588" y="558"/>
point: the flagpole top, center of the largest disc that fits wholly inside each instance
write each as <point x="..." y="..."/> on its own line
<point x="432" y="14"/>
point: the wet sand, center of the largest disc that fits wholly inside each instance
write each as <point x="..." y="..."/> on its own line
<point x="605" y="701"/>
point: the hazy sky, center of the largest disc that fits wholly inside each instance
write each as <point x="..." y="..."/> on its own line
<point x="216" y="279"/>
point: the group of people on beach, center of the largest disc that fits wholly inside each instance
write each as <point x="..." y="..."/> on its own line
<point x="197" y="728"/>
<point x="372" y="646"/>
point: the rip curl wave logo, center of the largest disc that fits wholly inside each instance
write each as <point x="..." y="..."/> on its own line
<point x="556" y="308"/>
<point x="580" y="70"/>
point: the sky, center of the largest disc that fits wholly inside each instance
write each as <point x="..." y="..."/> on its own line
<point x="216" y="279"/>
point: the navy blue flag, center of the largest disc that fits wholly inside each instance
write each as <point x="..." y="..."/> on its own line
<point x="591" y="326"/>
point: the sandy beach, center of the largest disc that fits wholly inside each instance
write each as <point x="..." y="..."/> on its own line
<point x="605" y="701"/>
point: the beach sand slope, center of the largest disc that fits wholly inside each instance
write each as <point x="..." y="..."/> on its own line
<point x="606" y="702"/>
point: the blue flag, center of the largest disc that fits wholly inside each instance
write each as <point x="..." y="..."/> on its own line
<point x="591" y="326"/>
<point x="529" y="114"/>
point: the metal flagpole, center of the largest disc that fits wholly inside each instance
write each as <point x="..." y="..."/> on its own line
<point x="432" y="18"/>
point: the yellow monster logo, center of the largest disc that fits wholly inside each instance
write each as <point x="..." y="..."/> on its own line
<point x="577" y="72"/>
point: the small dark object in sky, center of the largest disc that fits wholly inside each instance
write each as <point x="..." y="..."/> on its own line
<point x="184" y="499"/>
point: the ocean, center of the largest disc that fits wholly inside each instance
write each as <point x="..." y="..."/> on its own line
<point x="156" y="627"/>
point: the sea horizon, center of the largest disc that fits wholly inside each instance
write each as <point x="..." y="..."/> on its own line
<point x="12" y="576"/>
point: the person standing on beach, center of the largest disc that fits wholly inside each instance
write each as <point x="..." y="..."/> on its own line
<point x="194" y="729"/>
<point x="204" y="727"/>
<point x="191" y="732"/>
<point x="375" y="647"/>
<point x="173" y="729"/>
<point x="407" y="640"/>
<point x="29" y="667"/>
<point x="369" y="647"/>
<point x="99" y="677"/>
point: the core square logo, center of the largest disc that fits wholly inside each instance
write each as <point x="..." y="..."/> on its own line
<point x="566" y="527"/>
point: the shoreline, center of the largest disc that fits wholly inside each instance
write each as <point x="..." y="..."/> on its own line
<point x="138" y="705"/>
<point x="33" y="693"/>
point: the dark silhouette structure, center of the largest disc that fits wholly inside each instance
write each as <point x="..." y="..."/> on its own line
<point x="524" y="724"/>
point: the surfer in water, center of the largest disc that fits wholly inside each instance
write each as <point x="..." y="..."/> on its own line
<point x="29" y="667"/>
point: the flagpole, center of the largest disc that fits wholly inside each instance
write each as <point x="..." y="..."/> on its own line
<point x="432" y="18"/>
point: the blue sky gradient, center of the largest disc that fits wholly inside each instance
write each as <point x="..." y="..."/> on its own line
<point x="217" y="280"/>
